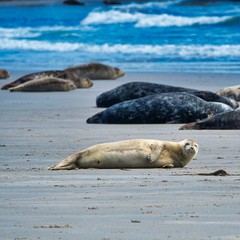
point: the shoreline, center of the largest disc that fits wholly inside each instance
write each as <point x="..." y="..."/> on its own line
<point x="40" y="129"/>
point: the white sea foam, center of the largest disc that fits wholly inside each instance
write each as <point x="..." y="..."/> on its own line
<point x="10" y="44"/>
<point x="146" y="20"/>
<point x="17" y="32"/>
<point x="31" y="32"/>
<point x="160" y="51"/>
<point x="151" y="5"/>
<point x="166" y="20"/>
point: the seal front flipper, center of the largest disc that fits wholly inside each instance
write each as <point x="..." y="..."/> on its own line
<point x="155" y="153"/>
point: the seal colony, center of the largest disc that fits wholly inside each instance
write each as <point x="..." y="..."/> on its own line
<point x="80" y="75"/>
<point x="170" y="107"/>
<point x="78" y="81"/>
<point x="134" y="90"/>
<point x="136" y="153"/>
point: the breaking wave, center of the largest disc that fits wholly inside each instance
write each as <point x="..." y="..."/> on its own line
<point x="161" y="51"/>
<point x="146" y="20"/>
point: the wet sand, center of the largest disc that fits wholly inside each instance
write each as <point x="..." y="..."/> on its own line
<point x="40" y="129"/>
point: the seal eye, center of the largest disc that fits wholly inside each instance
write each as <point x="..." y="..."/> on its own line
<point x="187" y="144"/>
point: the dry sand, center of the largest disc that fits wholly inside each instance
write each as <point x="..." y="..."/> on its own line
<point x="40" y="129"/>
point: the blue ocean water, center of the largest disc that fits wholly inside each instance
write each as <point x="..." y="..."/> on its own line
<point x="170" y="35"/>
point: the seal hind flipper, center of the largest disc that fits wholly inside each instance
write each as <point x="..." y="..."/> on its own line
<point x="68" y="163"/>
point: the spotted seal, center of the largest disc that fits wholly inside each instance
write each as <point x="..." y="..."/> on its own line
<point x="96" y="71"/>
<point x="135" y="90"/>
<point x="136" y="153"/>
<point x="47" y="84"/>
<point x="160" y="108"/>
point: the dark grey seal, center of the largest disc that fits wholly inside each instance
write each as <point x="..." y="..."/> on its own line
<point x="160" y="108"/>
<point x="56" y="74"/>
<point x="135" y="90"/>
<point x="226" y="120"/>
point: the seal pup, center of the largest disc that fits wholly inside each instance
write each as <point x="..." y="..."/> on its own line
<point x="96" y="71"/>
<point x="231" y="92"/>
<point x="159" y="108"/>
<point x="56" y="74"/>
<point x="4" y="74"/>
<point x="47" y="84"/>
<point x="134" y="90"/>
<point x="136" y="153"/>
<point x="226" y="120"/>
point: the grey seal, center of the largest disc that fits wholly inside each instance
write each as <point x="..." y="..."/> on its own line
<point x="135" y="90"/>
<point x="160" y="108"/>
<point x="226" y="120"/>
<point x="96" y="71"/>
<point x="136" y="153"/>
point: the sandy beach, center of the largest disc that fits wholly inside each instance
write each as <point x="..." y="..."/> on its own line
<point x="40" y="129"/>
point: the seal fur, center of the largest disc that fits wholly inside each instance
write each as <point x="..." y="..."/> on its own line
<point x="136" y="153"/>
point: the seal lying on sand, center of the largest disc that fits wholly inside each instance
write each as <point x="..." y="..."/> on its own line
<point x="55" y="74"/>
<point x="160" y="108"/>
<point x="231" y="92"/>
<point x="136" y="153"/>
<point x="3" y="74"/>
<point x="96" y="71"/>
<point x="135" y="90"/>
<point x="226" y="120"/>
<point x="45" y="85"/>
